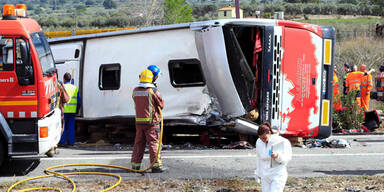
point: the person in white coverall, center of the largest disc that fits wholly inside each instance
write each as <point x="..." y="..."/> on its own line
<point x="273" y="152"/>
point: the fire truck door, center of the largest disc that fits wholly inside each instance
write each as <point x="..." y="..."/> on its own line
<point x="18" y="98"/>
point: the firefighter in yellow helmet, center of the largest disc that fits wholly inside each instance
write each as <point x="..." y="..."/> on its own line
<point x="147" y="99"/>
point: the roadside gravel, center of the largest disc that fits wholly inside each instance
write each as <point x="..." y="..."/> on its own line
<point x="318" y="184"/>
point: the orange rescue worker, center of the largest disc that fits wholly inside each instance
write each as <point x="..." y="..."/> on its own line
<point x="147" y="99"/>
<point x="336" y="93"/>
<point x="353" y="82"/>
<point x="366" y="87"/>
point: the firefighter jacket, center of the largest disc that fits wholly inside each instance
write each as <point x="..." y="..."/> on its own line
<point x="366" y="83"/>
<point x="353" y="80"/>
<point x="147" y="99"/>
<point x="335" y="84"/>
<point x="74" y="100"/>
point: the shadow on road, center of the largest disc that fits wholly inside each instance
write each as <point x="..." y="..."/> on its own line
<point x="352" y="172"/>
<point x="18" y="167"/>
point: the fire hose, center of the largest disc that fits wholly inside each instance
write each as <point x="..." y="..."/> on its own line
<point x="52" y="173"/>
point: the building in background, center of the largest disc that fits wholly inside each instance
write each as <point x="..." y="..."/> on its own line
<point x="229" y="13"/>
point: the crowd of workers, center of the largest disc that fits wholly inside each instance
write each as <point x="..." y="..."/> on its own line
<point x="358" y="81"/>
<point x="273" y="151"/>
<point x="271" y="159"/>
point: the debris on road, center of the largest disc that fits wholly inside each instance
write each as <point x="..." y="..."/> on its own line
<point x="238" y="145"/>
<point x="327" y="143"/>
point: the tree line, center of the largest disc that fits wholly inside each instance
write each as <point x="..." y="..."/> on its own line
<point x="73" y="14"/>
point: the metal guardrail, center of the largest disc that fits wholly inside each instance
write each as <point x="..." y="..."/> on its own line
<point x="55" y="34"/>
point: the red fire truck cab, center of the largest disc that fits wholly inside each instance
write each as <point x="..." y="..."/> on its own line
<point x="30" y="122"/>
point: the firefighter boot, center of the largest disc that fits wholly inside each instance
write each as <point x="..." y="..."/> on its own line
<point x="159" y="169"/>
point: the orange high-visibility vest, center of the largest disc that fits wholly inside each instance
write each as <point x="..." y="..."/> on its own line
<point x="335" y="84"/>
<point x="366" y="83"/>
<point x="336" y="99"/>
<point x="353" y="80"/>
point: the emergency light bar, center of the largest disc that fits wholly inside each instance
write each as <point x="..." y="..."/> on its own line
<point x="9" y="11"/>
<point x="21" y="10"/>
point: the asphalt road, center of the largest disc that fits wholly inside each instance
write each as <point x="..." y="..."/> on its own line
<point x="366" y="156"/>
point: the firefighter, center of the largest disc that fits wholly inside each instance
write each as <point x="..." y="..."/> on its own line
<point x="353" y="83"/>
<point x="147" y="99"/>
<point x="336" y="96"/>
<point x="347" y="69"/>
<point x="70" y="110"/>
<point x="366" y="87"/>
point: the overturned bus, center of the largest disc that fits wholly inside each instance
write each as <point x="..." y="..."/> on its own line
<point x="214" y="73"/>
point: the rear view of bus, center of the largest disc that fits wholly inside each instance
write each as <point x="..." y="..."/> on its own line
<point x="303" y="80"/>
<point x="281" y="69"/>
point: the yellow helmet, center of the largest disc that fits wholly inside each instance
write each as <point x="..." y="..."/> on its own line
<point x="146" y="76"/>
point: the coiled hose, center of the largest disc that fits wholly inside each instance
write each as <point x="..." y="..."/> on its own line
<point x="64" y="175"/>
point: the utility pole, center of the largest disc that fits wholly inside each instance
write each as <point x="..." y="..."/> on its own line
<point x="237" y="9"/>
<point x="148" y="20"/>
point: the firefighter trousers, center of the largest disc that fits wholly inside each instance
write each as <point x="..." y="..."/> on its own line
<point x="146" y="134"/>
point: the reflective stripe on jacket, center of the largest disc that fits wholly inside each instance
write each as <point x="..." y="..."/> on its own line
<point x="147" y="101"/>
<point x="71" y="105"/>
<point x="353" y="80"/>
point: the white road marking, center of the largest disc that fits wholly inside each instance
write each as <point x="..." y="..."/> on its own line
<point x="206" y="156"/>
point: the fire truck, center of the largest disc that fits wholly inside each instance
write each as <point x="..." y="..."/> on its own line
<point x="30" y="122"/>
